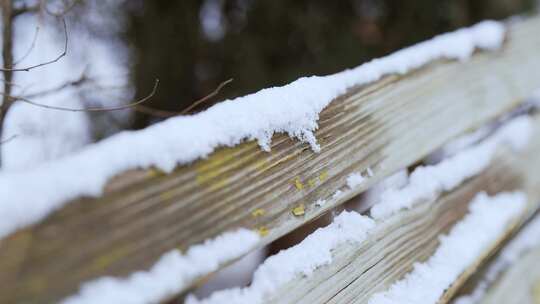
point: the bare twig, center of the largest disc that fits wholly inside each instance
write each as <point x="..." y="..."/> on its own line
<point x="73" y="83"/>
<point x="30" y="49"/>
<point x="91" y="109"/>
<point x="64" y="52"/>
<point x="12" y="137"/>
<point x="205" y="98"/>
<point x="165" y="114"/>
<point x="155" y="112"/>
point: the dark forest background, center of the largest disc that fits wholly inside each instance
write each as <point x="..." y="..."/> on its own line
<point x="192" y="46"/>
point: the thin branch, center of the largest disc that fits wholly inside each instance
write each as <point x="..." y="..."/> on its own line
<point x="73" y="83"/>
<point x="165" y="114"/>
<point x="12" y="137"/>
<point x="26" y="69"/>
<point x="92" y="109"/>
<point x="205" y="98"/>
<point x="155" y="112"/>
<point x="30" y="49"/>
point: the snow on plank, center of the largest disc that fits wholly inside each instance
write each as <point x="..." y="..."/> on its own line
<point x="512" y="274"/>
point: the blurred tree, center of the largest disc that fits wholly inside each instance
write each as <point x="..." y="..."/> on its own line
<point x="194" y="45"/>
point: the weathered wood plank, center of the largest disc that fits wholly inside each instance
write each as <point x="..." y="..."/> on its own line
<point x="519" y="284"/>
<point x="384" y="126"/>
<point x="500" y="280"/>
<point x="360" y="270"/>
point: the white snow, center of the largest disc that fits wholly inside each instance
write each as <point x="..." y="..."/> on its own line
<point x="170" y="274"/>
<point x="300" y="260"/>
<point x="526" y="239"/>
<point x="459" y="144"/>
<point x="487" y="219"/>
<point x="293" y="109"/>
<point x="42" y="134"/>
<point x="374" y="193"/>
<point x="354" y="180"/>
<point x="427" y="182"/>
<point x="238" y="273"/>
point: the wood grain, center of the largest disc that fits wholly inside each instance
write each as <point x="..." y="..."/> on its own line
<point x="360" y="270"/>
<point x="514" y="283"/>
<point x="384" y="126"/>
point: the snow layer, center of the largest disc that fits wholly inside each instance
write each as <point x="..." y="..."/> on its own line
<point x="459" y="144"/>
<point x="172" y="273"/>
<point x="293" y="109"/>
<point x="487" y="219"/>
<point x="300" y="260"/>
<point x="40" y="136"/>
<point x="374" y="193"/>
<point x="238" y="273"/>
<point x="354" y="180"/>
<point x="526" y="239"/>
<point x="427" y="182"/>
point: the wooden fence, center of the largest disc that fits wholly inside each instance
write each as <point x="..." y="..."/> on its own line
<point x="386" y="126"/>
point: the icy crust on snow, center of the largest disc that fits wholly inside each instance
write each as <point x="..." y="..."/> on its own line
<point x="293" y="109"/>
<point x="300" y="260"/>
<point x="487" y="219"/>
<point x="526" y="240"/>
<point x="172" y="273"/>
<point x="427" y="182"/>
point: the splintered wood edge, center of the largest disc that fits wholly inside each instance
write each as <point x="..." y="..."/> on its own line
<point x="146" y="213"/>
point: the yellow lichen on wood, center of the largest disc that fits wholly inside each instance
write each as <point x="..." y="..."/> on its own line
<point x="210" y="171"/>
<point x="258" y="212"/>
<point x="155" y="172"/>
<point x="323" y="176"/>
<point x="299" y="210"/>
<point x="263" y="231"/>
<point x="536" y="292"/>
<point x="312" y="182"/>
<point x="105" y="260"/>
<point x="167" y="195"/>
<point x="298" y="184"/>
<point x="284" y="159"/>
<point x="261" y="164"/>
